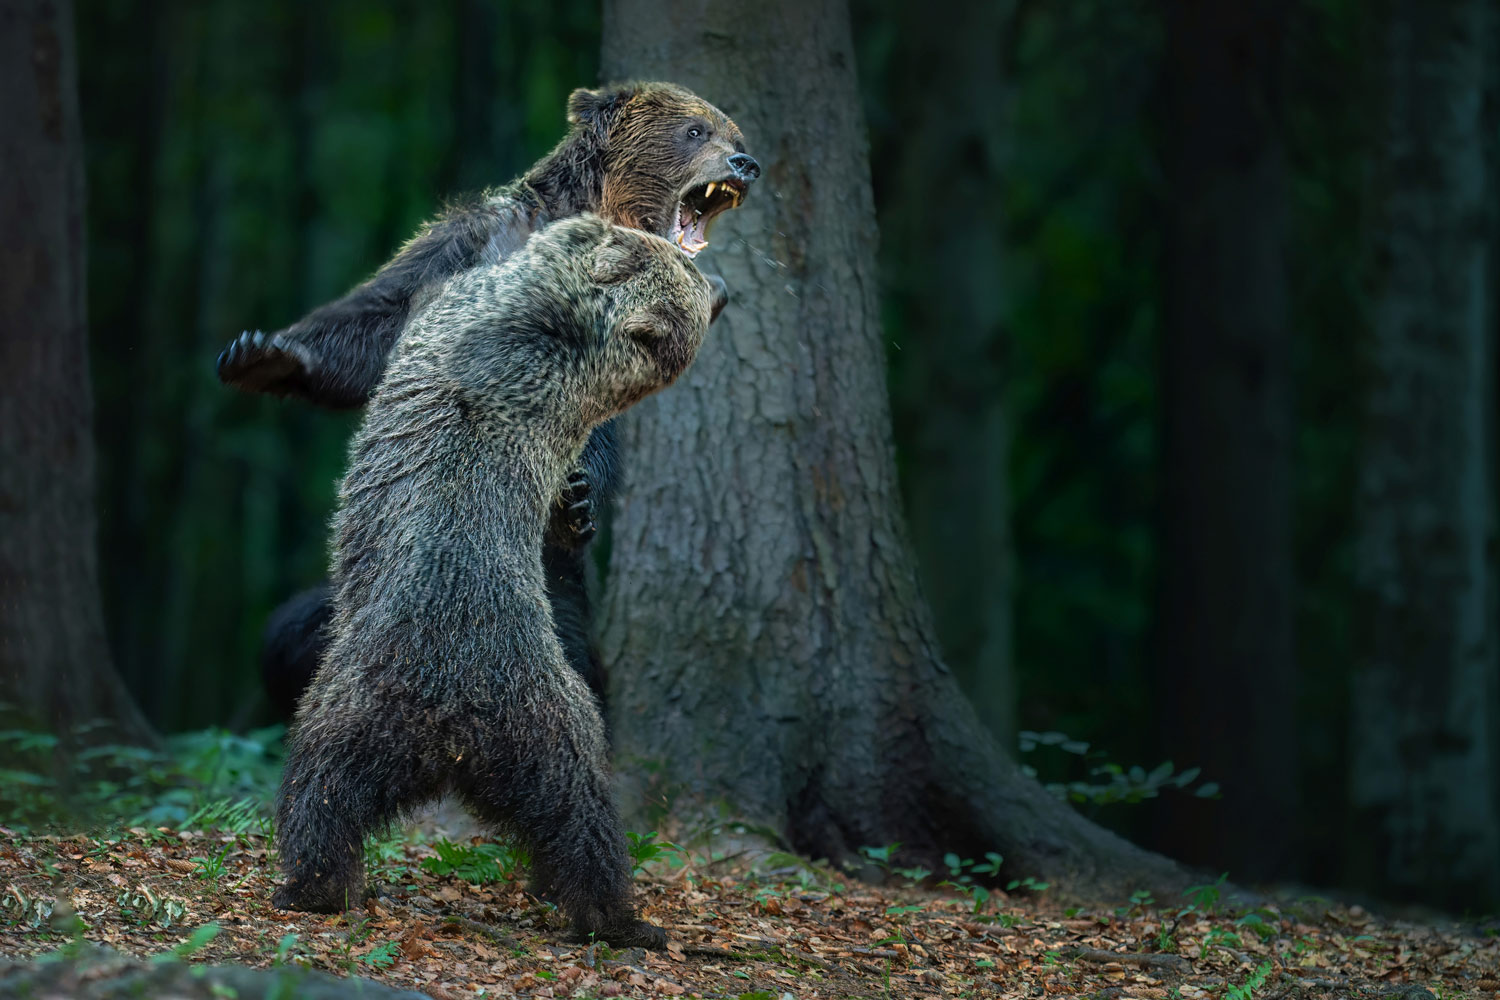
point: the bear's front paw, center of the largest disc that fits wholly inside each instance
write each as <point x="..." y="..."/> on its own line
<point x="576" y="508"/>
<point x="258" y="362"/>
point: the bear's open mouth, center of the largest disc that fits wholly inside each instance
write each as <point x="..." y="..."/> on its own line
<point x="698" y="207"/>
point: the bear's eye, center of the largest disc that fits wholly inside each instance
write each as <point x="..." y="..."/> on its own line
<point x="695" y="132"/>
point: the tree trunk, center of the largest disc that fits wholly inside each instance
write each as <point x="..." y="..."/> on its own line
<point x="54" y="662"/>
<point x="1226" y="677"/>
<point x="1425" y="725"/>
<point x="770" y="650"/>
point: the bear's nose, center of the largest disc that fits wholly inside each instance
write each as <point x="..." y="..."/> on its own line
<point x="744" y="166"/>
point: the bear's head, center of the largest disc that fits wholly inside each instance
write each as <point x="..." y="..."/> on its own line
<point x="671" y="161"/>
<point x="659" y="305"/>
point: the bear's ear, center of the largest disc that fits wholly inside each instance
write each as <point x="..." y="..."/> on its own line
<point x="617" y="258"/>
<point x="598" y="108"/>
<point x="641" y="326"/>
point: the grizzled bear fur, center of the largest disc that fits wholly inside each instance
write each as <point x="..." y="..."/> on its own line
<point x="652" y="156"/>
<point x="444" y="672"/>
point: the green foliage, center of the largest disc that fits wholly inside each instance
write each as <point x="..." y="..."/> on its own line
<point x="1110" y="782"/>
<point x="68" y="923"/>
<point x="1028" y="884"/>
<point x="1252" y="982"/>
<point x="1205" y="896"/>
<point x="1264" y="923"/>
<point x="476" y="863"/>
<point x="882" y="858"/>
<point x="962" y="872"/>
<point x="385" y="857"/>
<point x="231" y="816"/>
<point x="645" y="848"/>
<point x="140" y="905"/>
<point x="208" y="779"/>
<point x="381" y="957"/>
<point x="196" y="942"/>
<point x="289" y="951"/>
<point x="235" y="181"/>
<point x="210" y="869"/>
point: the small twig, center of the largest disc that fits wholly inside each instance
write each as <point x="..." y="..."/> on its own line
<point x="875" y="952"/>
<point x="783" y="947"/>
<point x="1144" y="960"/>
<point x="710" y="950"/>
<point x="807" y="957"/>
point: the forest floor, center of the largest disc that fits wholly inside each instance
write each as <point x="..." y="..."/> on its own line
<point x="795" y="933"/>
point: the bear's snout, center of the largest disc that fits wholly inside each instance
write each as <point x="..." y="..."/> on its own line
<point x="744" y="166"/>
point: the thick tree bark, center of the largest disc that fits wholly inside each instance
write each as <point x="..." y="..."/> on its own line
<point x="769" y="649"/>
<point x="1426" y="713"/>
<point x="1226" y="677"/>
<point x="54" y="662"/>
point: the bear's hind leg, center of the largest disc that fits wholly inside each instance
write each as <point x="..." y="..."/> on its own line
<point x="339" y="785"/>
<point x="554" y="792"/>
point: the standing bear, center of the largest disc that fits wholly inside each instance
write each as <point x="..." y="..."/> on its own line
<point x="443" y="671"/>
<point x="651" y="156"/>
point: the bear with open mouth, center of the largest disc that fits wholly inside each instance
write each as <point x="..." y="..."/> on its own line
<point x="650" y="156"/>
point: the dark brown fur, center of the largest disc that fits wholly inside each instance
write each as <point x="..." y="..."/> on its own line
<point x="627" y="157"/>
<point x="444" y="672"/>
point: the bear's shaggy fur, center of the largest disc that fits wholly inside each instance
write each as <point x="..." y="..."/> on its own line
<point x="444" y="671"/>
<point x="652" y="156"/>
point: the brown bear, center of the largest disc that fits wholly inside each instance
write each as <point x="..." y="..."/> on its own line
<point x="652" y="156"/>
<point x="443" y="671"/>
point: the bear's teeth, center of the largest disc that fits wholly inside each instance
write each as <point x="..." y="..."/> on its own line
<point x="711" y="189"/>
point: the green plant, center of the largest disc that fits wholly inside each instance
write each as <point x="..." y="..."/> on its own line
<point x="238" y="816"/>
<point x="476" y="864"/>
<point x="195" y="942"/>
<point x="380" y="957"/>
<point x="1108" y="782"/>
<point x="1206" y="896"/>
<point x="385" y="858"/>
<point x="1219" y="937"/>
<point x="1256" y="920"/>
<point x="645" y="848"/>
<point x="140" y="905"/>
<point x="80" y="778"/>
<point x="962" y="872"/>
<point x="210" y="869"/>
<point x="289" y="952"/>
<point x="1253" y="982"/>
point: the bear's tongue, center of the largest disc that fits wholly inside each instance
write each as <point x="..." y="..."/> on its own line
<point x="689" y="230"/>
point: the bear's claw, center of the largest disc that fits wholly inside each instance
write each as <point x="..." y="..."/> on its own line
<point x="257" y="362"/>
<point x="578" y="507"/>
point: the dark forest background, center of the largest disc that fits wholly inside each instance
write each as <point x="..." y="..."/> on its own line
<point x="1051" y="391"/>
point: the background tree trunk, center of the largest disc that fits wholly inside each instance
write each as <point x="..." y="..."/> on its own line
<point x="1226" y="677"/>
<point x="54" y="662"/>
<point x="950" y="397"/>
<point x="1423" y="764"/>
<point x="769" y="649"/>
